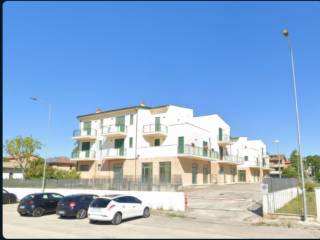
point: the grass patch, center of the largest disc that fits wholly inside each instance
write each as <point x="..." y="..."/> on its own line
<point x="295" y="205"/>
<point x="168" y="213"/>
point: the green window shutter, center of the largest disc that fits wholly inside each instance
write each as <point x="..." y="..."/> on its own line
<point x="157" y="124"/>
<point x="157" y="142"/>
<point x="85" y="146"/>
<point x="87" y="127"/>
<point x="131" y="119"/>
<point x="220" y="134"/>
<point x="181" y="145"/>
<point x="120" y="121"/>
<point x="205" y="148"/>
<point x="130" y="142"/>
<point x="165" y="172"/>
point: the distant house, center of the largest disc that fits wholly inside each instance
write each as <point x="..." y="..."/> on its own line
<point x="62" y="163"/>
<point x="278" y="162"/>
<point x="11" y="170"/>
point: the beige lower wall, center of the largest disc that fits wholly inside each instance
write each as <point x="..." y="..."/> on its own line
<point x="181" y="170"/>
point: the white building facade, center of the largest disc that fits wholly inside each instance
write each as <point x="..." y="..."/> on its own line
<point x="161" y="145"/>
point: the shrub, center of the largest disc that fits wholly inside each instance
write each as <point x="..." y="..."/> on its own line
<point x="310" y="186"/>
<point x="318" y="177"/>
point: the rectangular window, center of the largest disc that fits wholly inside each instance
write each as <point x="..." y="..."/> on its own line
<point x="85" y="146"/>
<point x="100" y="144"/>
<point x="131" y="119"/>
<point x="220" y="134"/>
<point x="165" y="172"/>
<point x="130" y="142"/>
<point x="180" y="144"/>
<point x="84" y="168"/>
<point x="246" y="158"/>
<point x="157" y="142"/>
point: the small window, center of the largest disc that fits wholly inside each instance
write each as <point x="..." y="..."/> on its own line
<point x="131" y="119"/>
<point x="157" y="142"/>
<point x="246" y="158"/>
<point x="130" y="142"/>
<point x="85" y="146"/>
<point x="100" y="144"/>
<point x="99" y="167"/>
<point x="84" y="168"/>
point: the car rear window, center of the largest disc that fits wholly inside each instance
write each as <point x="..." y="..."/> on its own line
<point x="28" y="197"/>
<point x="100" y="203"/>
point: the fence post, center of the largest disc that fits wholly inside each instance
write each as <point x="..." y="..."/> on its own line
<point x="317" y="193"/>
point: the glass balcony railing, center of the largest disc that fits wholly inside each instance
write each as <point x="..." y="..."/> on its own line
<point x="153" y="128"/>
<point x="223" y="138"/>
<point x="115" y="152"/>
<point x="85" y="132"/>
<point x="197" y="151"/>
<point x="114" y="129"/>
<point x="233" y="158"/>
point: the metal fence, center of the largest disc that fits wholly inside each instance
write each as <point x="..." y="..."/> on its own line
<point x="277" y="184"/>
<point x="98" y="183"/>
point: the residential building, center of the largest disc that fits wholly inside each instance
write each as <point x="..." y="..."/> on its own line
<point x="278" y="162"/>
<point x="11" y="170"/>
<point x="164" y="144"/>
<point x="256" y="160"/>
<point x="62" y="163"/>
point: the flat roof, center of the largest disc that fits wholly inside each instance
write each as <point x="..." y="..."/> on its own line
<point x="121" y="109"/>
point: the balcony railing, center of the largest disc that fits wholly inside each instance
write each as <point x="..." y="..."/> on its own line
<point x="197" y="151"/>
<point x="115" y="152"/>
<point x="89" y="154"/>
<point x="223" y="138"/>
<point x="233" y="158"/>
<point x="111" y="129"/>
<point x="85" y="132"/>
<point x="153" y="128"/>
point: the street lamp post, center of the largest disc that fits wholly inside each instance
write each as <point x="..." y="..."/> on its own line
<point x="47" y="141"/>
<point x="279" y="164"/>
<point x="286" y="35"/>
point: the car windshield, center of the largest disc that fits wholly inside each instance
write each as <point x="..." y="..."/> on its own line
<point x="100" y="203"/>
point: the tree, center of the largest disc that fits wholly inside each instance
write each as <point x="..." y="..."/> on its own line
<point x="35" y="170"/>
<point x="22" y="150"/>
<point x="290" y="172"/>
<point x="313" y="162"/>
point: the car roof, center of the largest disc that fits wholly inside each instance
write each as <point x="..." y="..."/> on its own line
<point x="112" y="196"/>
<point x="81" y="194"/>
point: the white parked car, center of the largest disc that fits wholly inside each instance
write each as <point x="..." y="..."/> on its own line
<point x="114" y="208"/>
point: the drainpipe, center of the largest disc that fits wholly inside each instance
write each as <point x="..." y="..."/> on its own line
<point x="136" y="146"/>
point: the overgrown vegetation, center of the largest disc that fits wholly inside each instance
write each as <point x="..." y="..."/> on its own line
<point x="295" y="205"/>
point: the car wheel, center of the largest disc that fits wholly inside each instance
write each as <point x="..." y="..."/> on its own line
<point x="116" y="219"/>
<point x="38" y="212"/>
<point x="82" y="213"/>
<point x="146" y="212"/>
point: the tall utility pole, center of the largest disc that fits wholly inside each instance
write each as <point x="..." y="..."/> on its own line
<point x="286" y="35"/>
<point x="47" y="142"/>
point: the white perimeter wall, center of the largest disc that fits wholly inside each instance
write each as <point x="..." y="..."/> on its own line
<point x="275" y="200"/>
<point x="156" y="200"/>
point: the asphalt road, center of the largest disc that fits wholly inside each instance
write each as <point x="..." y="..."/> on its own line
<point x="157" y="226"/>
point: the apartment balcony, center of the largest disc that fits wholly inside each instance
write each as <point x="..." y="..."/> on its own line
<point x="115" y="131"/>
<point x="190" y="151"/>
<point x="115" y="153"/>
<point x="83" y="155"/>
<point x="85" y="134"/>
<point x="155" y="130"/>
<point x="224" y="140"/>
<point x="232" y="159"/>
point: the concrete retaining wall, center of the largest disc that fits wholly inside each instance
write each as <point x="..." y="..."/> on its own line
<point x="275" y="200"/>
<point x="156" y="200"/>
<point x="317" y="191"/>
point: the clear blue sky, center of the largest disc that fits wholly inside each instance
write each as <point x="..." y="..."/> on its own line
<point x="226" y="58"/>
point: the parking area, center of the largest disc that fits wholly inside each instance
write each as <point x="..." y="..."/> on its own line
<point x="221" y="203"/>
<point x="214" y="212"/>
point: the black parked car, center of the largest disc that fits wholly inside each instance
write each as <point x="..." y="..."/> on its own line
<point x="75" y="205"/>
<point x="38" y="204"/>
<point x="8" y="197"/>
